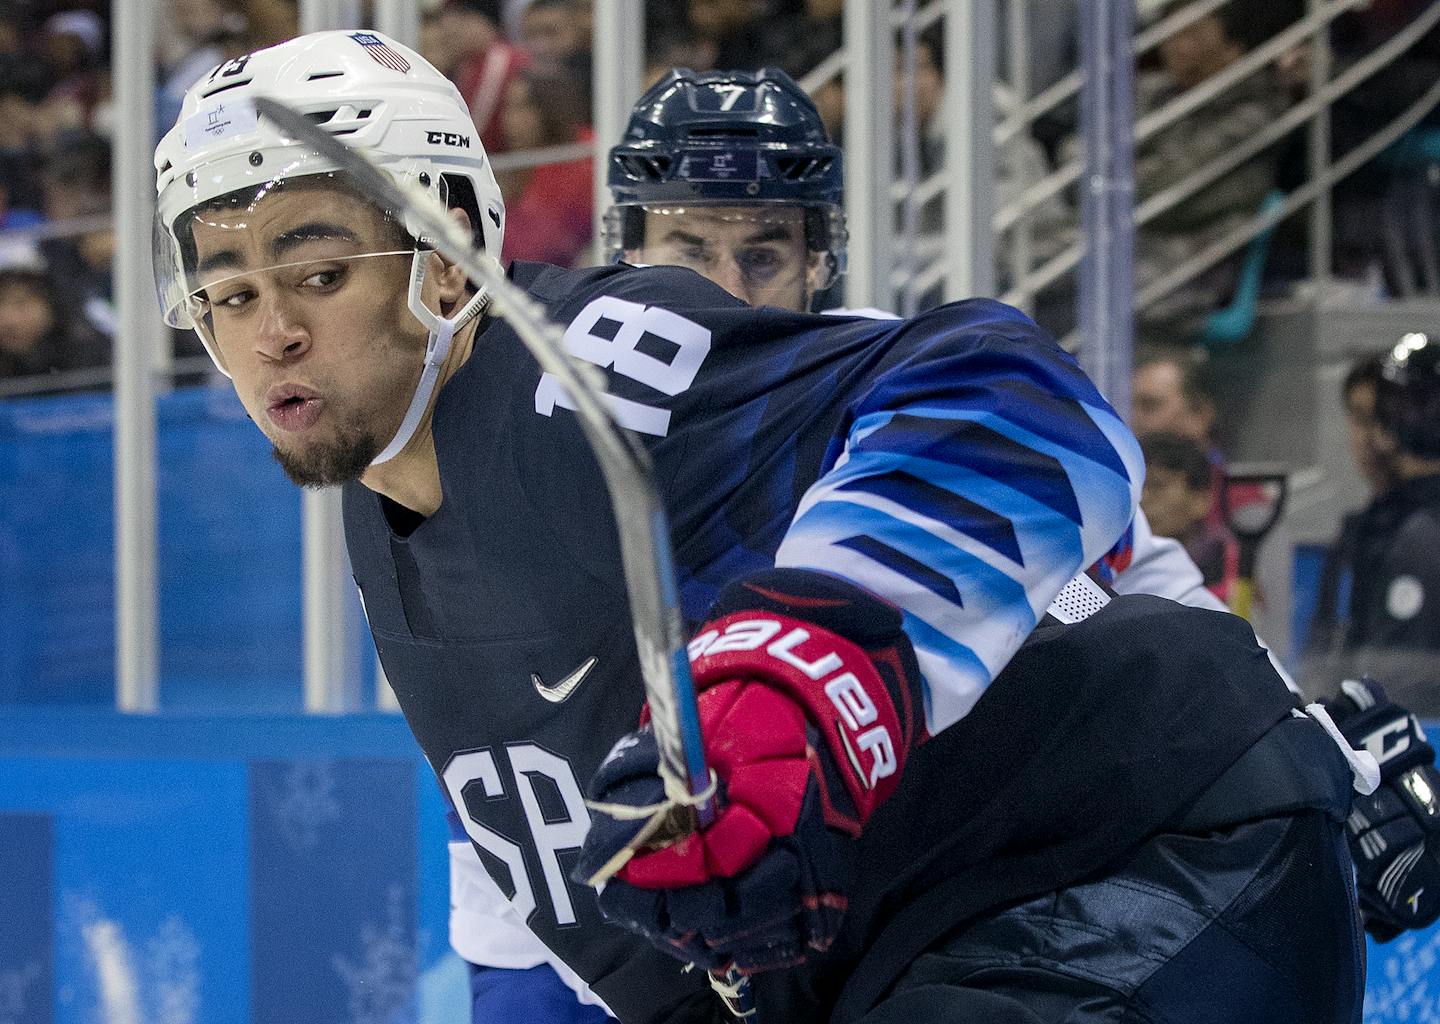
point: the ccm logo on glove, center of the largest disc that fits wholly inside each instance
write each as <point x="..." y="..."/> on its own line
<point x="782" y="640"/>
<point x="1393" y="739"/>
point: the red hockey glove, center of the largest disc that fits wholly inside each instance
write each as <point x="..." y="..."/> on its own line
<point x="809" y="705"/>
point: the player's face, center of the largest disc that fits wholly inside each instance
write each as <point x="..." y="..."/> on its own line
<point x="756" y="253"/>
<point x="318" y="341"/>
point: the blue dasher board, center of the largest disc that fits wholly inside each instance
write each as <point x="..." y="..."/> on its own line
<point x="216" y="871"/>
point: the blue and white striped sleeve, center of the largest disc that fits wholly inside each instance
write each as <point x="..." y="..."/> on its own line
<point x="980" y="471"/>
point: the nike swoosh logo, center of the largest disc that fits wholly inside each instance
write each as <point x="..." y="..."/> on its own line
<point x="562" y="690"/>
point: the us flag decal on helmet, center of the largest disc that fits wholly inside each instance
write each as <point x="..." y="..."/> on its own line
<point x="380" y="52"/>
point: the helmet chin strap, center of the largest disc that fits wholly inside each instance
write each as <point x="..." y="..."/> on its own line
<point x="437" y="349"/>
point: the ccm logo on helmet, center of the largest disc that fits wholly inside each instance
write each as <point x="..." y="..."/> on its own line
<point x="857" y="711"/>
<point x="448" y="139"/>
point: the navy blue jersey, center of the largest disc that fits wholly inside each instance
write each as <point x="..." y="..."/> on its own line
<point x="958" y="464"/>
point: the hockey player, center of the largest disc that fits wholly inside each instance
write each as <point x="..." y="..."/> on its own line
<point x="869" y="520"/>
<point x="775" y="241"/>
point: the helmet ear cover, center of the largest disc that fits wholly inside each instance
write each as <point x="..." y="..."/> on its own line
<point x="461" y="192"/>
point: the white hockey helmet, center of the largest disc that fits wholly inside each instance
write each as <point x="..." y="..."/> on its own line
<point x="380" y="96"/>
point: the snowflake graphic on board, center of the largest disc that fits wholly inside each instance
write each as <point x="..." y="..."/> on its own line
<point x="96" y="959"/>
<point x="15" y="985"/>
<point x="77" y="992"/>
<point x="305" y="804"/>
<point x="173" y="965"/>
<point x="381" y="983"/>
<point x="1404" y="992"/>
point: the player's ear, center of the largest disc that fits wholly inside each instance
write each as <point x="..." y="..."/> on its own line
<point x="448" y="276"/>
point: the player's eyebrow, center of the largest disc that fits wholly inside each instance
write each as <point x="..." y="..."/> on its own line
<point x="288" y="241"/>
<point x="685" y="237"/>
<point x="223" y="259"/>
<point x="772" y="233"/>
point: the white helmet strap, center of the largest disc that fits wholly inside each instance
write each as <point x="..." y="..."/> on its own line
<point x="437" y="349"/>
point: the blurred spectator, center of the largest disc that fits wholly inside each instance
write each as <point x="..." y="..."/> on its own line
<point x="1360" y="389"/>
<point x="797" y="35"/>
<point x="271" y="21"/>
<point x="549" y="218"/>
<point x="1019" y="162"/>
<point x="674" y="44"/>
<point x="462" y="39"/>
<point x="77" y="185"/>
<point x="74" y="47"/>
<point x="1393" y="631"/>
<point x="1178" y="495"/>
<point x="23" y="85"/>
<point x="746" y="35"/>
<point x="929" y="95"/>
<point x="207" y="33"/>
<point x="1170" y="392"/>
<point x="1360" y="198"/>
<point x="16" y="214"/>
<point x="555" y="31"/>
<point x="1338" y="570"/>
<point x="36" y="334"/>
<point x="1189" y="58"/>
<point x="9" y="29"/>
<point x="737" y="29"/>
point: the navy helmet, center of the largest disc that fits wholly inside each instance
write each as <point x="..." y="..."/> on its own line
<point x="727" y="138"/>
<point x="1407" y="396"/>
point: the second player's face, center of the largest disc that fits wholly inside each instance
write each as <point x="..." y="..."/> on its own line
<point x="314" y="333"/>
<point x="755" y="253"/>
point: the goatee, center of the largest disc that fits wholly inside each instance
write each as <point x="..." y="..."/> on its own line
<point x="329" y="463"/>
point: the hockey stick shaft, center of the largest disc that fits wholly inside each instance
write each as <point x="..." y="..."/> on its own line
<point x="643" y="527"/>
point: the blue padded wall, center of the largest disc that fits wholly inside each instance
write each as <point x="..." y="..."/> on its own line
<point x="228" y="552"/>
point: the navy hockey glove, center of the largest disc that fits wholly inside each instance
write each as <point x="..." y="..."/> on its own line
<point x="808" y="694"/>
<point x="1394" y="832"/>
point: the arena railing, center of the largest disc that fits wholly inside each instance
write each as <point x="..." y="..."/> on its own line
<point x="1019" y="111"/>
<point x="1312" y="111"/>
